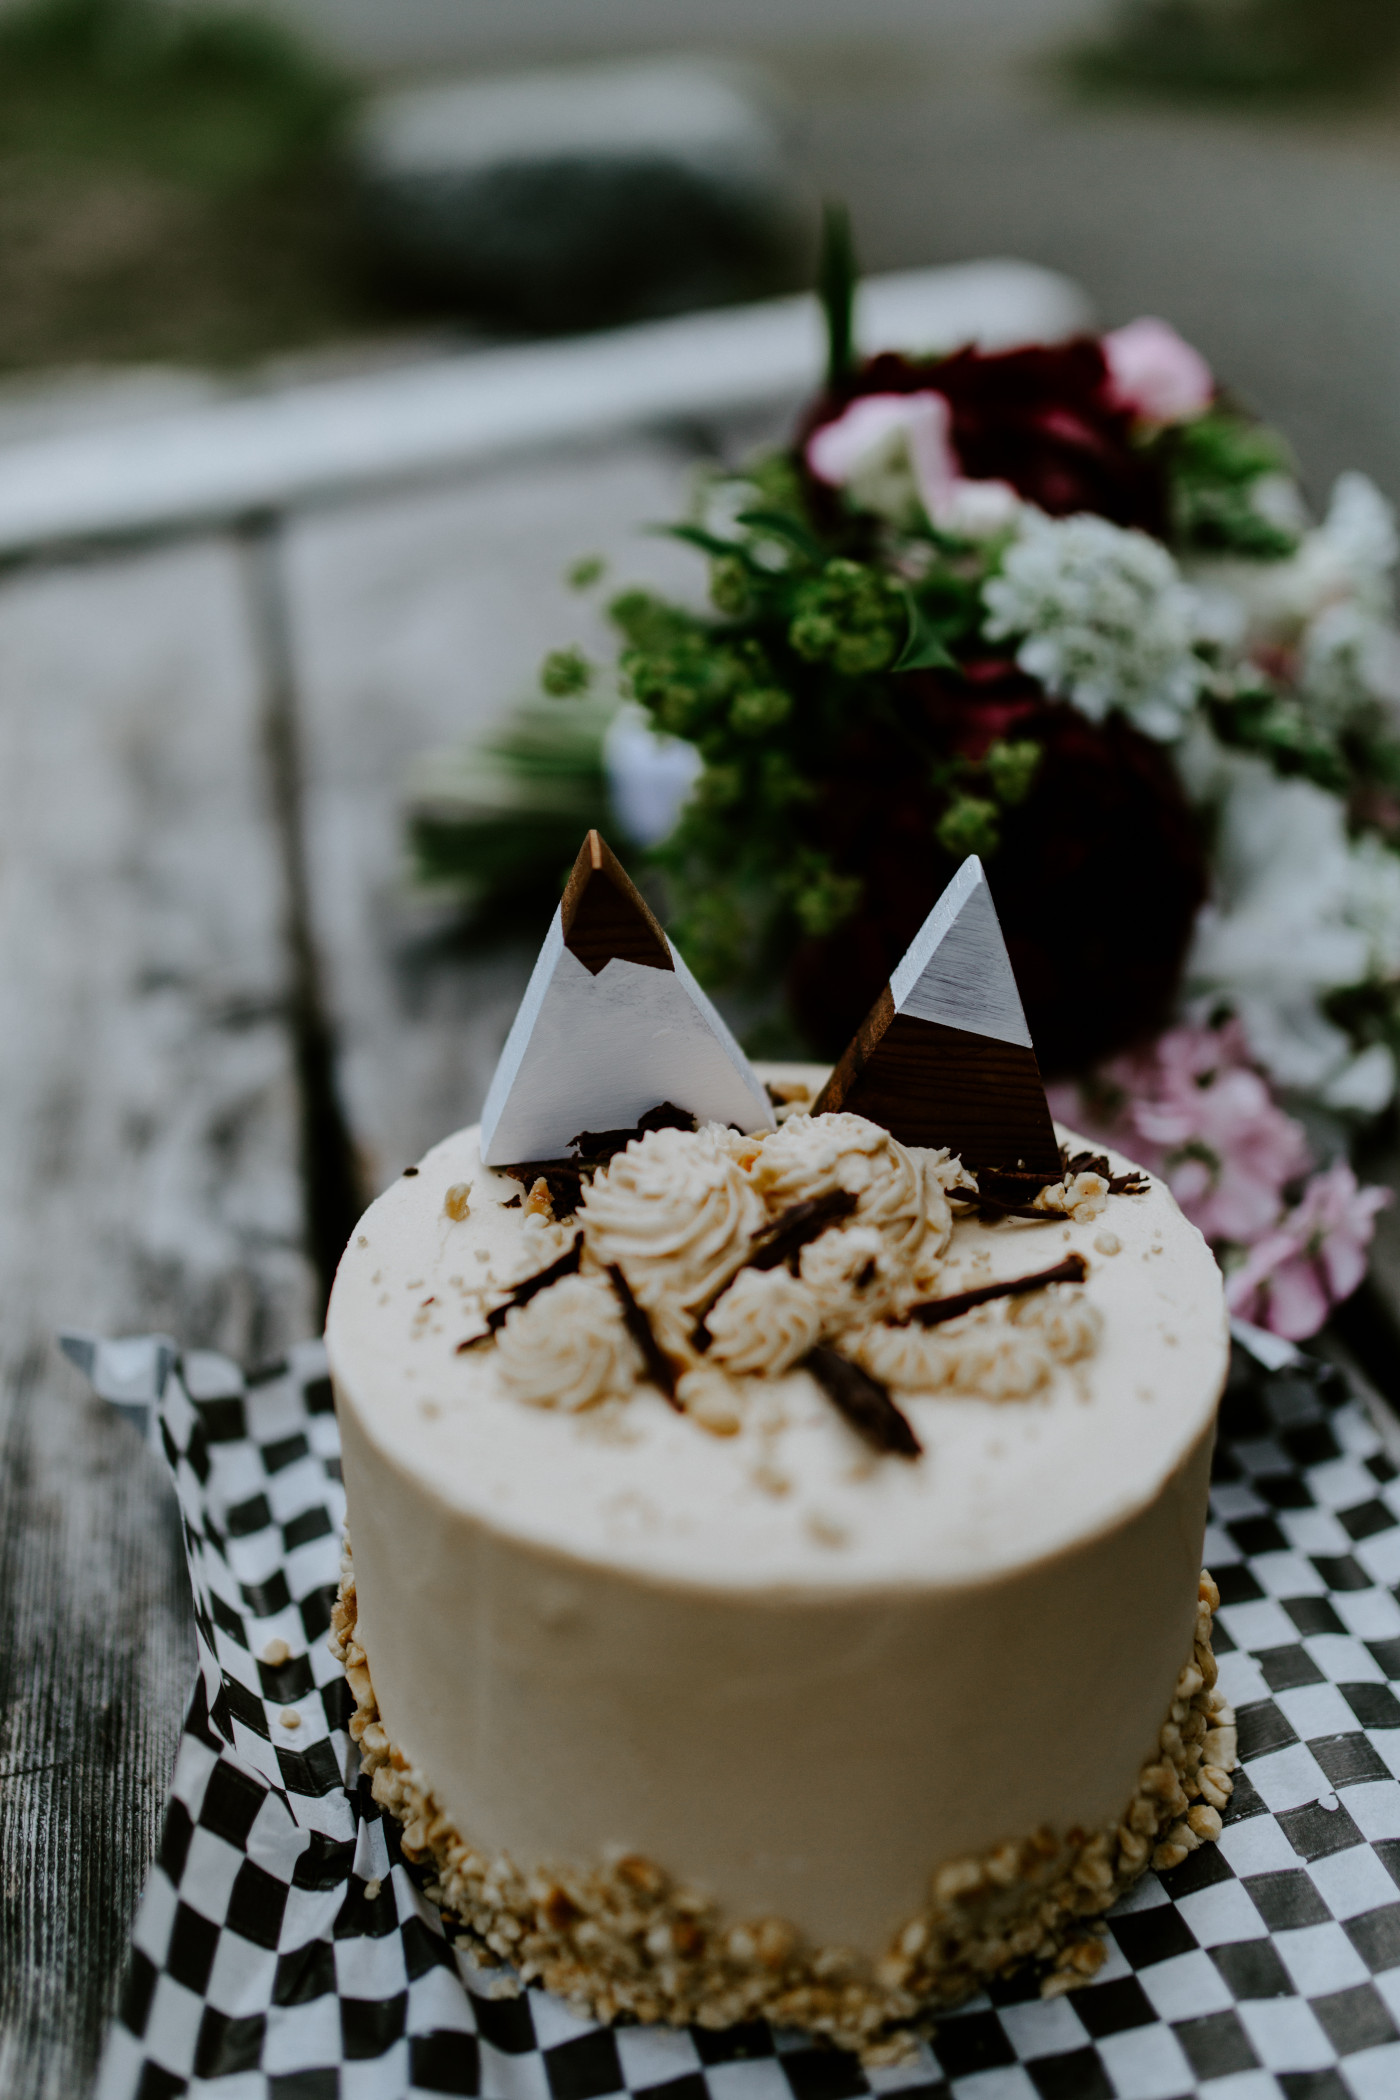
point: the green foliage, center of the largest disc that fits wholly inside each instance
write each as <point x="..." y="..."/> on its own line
<point x="827" y="652"/>
<point x="174" y="187"/>
<point x="1276" y="728"/>
<point x="850" y="616"/>
<point x="1214" y="466"/>
<point x="821" y="898"/>
<point x="502" y="820"/>
<point x="969" y="825"/>
<point x="582" y="575"/>
<point x="566" y="672"/>
<point x="1011" y="768"/>
<point x="978" y="790"/>
<point x="837" y="277"/>
<point x="795" y="661"/>
<point x="758" y="709"/>
<point x="1243" y="50"/>
<point x="221" y="99"/>
<point x="926" y="643"/>
<point x="730" y="591"/>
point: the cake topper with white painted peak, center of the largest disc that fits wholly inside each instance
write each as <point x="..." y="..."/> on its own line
<point x="944" y="1057"/>
<point x="612" y="1025"/>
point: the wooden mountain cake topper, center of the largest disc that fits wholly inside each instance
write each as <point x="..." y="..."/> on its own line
<point x="944" y="1057"/>
<point x="611" y="1025"/>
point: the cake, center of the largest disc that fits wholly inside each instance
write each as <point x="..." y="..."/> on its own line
<point x="776" y="1549"/>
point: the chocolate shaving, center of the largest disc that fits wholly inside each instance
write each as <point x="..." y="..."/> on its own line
<point x="990" y="1208"/>
<point x="660" y="1368"/>
<point x="601" y="1145"/>
<point x="1133" y="1183"/>
<point x="1011" y="1182"/>
<point x="933" y="1311"/>
<point x="782" y="1240"/>
<point x="522" y="1293"/>
<point x="567" y="1178"/>
<point x="863" y="1401"/>
<point x="796" y="1227"/>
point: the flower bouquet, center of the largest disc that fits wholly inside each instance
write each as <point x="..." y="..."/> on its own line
<point x="1062" y="606"/>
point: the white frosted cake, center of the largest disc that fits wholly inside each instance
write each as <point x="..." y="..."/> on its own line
<point x="756" y="1607"/>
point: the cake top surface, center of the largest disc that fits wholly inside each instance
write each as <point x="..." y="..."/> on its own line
<point x="779" y="1285"/>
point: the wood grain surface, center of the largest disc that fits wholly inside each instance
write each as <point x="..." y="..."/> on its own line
<point x="419" y="621"/>
<point x="933" y="1085"/>
<point x="156" y="1170"/>
<point x="604" y="915"/>
<point x="148" y="1180"/>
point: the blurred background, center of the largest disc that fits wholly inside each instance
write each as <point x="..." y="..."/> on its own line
<point x="187" y="185"/>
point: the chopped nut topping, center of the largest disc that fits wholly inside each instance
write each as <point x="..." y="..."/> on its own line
<point x="539" y="1203"/>
<point x="621" y="1939"/>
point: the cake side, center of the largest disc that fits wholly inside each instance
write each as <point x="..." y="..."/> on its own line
<point x="813" y="1757"/>
<point x="622" y="1937"/>
<point x="789" y="1672"/>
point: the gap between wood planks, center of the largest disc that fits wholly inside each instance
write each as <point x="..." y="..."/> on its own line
<point x="334" y="1189"/>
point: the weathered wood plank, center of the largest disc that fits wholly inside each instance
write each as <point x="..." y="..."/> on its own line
<point x="148" y="1179"/>
<point x="418" y="622"/>
<point x="336" y="437"/>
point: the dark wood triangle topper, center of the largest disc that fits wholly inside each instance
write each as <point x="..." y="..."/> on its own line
<point x="604" y="915"/>
<point x="932" y="1084"/>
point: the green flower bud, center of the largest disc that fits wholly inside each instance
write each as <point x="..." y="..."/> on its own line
<point x="1011" y="769"/>
<point x="851" y="617"/>
<point x="729" y="586"/>
<point x="969" y="825"/>
<point x="758" y="709"/>
<point x="565" y="673"/>
<point x="721" y="786"/>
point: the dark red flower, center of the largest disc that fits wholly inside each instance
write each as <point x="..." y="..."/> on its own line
<point x="1097" y="879"/>
<point x="1042" y="418"/>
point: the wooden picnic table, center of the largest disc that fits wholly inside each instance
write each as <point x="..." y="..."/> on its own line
<point x="204" y="919"/>
<point x="225" y="1021"/>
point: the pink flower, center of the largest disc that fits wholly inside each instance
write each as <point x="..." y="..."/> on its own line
<point x="865" y="447"/>
<point x="1315" y="1257"/>
<point x="1194" y="1109"/>
<point x="1155" y="374"/>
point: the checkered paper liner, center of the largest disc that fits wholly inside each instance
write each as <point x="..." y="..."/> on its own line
<point x="284" y="1950"/>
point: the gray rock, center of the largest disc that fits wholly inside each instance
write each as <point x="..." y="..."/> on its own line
<point x="578" y="197"/>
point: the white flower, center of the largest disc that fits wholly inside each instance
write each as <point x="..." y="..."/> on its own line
<point x="893" y="455"/>
<point x="1349" y="557"/>
<point x="1350" y="659"/>
<point x="1300" y="911"/>
<point x="1105" y="618"/>
<point x="1357" y="539"/>
<point x="1346" y="560"/>
<point x="649" y="776"/>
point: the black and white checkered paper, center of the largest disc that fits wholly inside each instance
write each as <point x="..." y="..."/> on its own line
<point x="284" y="1951"/>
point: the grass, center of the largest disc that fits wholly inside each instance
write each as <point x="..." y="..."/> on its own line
<point x="171" y="187"/>
<point x="1245" y="51"/>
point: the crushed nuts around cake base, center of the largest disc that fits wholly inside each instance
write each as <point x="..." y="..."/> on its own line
<point x="623" y="1937"/>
